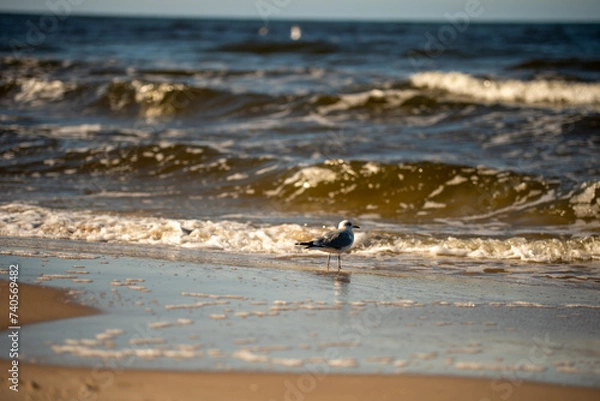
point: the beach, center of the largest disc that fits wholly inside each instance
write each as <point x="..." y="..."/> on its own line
<point x="226" y="326"/>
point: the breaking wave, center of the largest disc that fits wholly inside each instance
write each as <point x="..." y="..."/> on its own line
<point x="552" y="92"/>
<point x="138" y="97"/>
<point x="155" y="93"/>
<point x="24" y="220"/>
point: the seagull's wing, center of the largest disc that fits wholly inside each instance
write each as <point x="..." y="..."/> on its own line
<point x="336" y="239"/>
<point x="323" y="241"/>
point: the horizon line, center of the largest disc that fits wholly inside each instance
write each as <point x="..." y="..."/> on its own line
<point x="478" y="20"/>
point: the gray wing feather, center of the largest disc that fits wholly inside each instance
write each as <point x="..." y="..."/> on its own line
<point x="334" y="239"/>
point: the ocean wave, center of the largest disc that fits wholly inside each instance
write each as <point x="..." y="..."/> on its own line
<point x="550" y="92"/>
<point x="370" y="99"/>
<point x="208" y="95"/>
<point x="157" y="99"/>
<point x="137" y="98"/>
<point x="410" y="192"/>
<point x="409" y="104"/>
<point x="31" y="221"/>
<point x="155" y="93"/>
<point x="426" y="191"/>
<point x="167" y="95"/>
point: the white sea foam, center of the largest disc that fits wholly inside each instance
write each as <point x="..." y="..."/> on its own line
<point x="152" y="96"/>
<point x="148" y="353"/>
<point x="521" y="367"/>
<point x="516" y="248"/>
<point x="22" y="220"/>
<point x="163" y="324"/>
<point x="36" y="91"/>
<point x="510" y="91"/>
<point x="308" y="177"/>
<point x="392" y="97"/>
<point x="343" y="363"/>
<point x="583" y="204"/>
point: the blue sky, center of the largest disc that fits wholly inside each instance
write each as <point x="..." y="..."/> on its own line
<point x="511" y="10"/>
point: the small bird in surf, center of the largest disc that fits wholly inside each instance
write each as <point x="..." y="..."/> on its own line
<point x="336" y="241"/>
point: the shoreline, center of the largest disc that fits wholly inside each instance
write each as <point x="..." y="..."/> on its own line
<point x="171" y="380"/>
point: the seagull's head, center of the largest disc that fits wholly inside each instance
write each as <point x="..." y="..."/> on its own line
<point x="346" y="225"/>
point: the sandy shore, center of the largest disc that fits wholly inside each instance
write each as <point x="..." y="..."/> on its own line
<point x="52" y="383"/>
<point x="42" y="381"/>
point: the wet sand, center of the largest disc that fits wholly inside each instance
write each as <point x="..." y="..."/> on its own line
<point x="58" y="383"/>
<point x="256" y="367"/>
<point x="41" y="304"/>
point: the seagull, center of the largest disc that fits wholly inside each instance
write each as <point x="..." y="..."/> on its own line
<point x="336" y="241"/>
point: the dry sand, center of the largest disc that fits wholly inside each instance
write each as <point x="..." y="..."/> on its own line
<point x="39" y="382"/>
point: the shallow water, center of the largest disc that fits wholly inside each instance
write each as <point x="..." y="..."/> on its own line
<point x="212" y="316"/>
<point x="230" y="316"/>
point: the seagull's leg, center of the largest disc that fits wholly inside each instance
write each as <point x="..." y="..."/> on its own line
<point x="328" y="258"/>
<point x="339" y="263"/>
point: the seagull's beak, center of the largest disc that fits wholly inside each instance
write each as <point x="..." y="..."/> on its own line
<point x="355" y="227"/>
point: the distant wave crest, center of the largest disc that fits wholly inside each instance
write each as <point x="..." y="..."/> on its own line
<point x="512" y="91"/>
